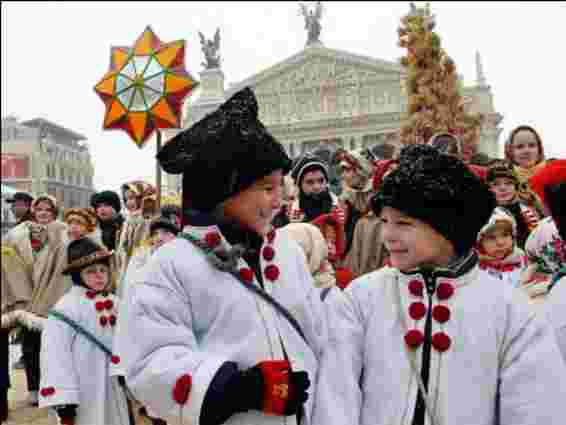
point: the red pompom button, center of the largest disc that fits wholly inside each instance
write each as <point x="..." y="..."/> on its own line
<point x="91" y="294"/>
<point x="416" y="288"/>
<point x="108" y="304"/>
<point x="441" y="313"/>
<point x="103" y="321"/>
<point x="268" y="253"/>
<point x="212" y="239"/>
<point x="271" y="236"/>
<point x="112" y="320"/>
<point x="272" y="272"/>
<point x="414" y="338"/>
<point x="247" y="275"/>
<point x="444" y="291"/>
<point x="182" y="389"/>
<point x="99" y="305"/>
<point x="441" y="341"/>
<point x="46" y="392"/>
<point x="417" y="310"/>
<point x="115" y="359"/>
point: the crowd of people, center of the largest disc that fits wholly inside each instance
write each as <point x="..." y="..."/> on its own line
<point x="431" y="290"/>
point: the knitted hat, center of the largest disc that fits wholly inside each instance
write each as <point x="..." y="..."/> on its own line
<point x="86" y="216"/>
<point x="499" y="215"/>
<point x="439" y="190"/>
<point x="46" y="198"/>
<point x="20" y="196"/>
<point x="224" y="153"/>
<point x="83" y="252"/>
<point x="107" y="197"/>
<point x="308" y="162"/>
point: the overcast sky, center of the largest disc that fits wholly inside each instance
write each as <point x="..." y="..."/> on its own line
<point x="54" y="52"/>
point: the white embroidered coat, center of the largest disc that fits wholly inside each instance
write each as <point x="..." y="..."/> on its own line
<point x="497" y="346"/>
<point x="187" y="317"/>
<point x="74" y="370"/>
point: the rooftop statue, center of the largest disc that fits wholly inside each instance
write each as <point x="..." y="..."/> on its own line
<point x="211" y="48"/>
<point x="312" y="22"/>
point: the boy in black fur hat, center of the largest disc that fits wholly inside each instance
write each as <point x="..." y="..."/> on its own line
<point x="232" y="323"/>
<point x="107" y="206"/>
<point x="433" y="339"/>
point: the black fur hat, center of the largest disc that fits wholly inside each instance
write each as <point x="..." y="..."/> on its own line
<point x="308" y="162"/>
<point x="224" y="153"/>
<point x="439" y="190"/>
<point x="106" y="197"/>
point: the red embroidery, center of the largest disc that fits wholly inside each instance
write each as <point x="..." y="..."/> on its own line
<point x="268" y="253"/>
<point x="182" y="388"/>
<point x="444" y="291"/>
<point x="441" y="341"/>
<point x="416" y="288"/>
<point x="212" y="239"/>
<point x="417" y="310"/>
<point x="247" y="275"/>
<point x="46" y="392"/>
<point x="272" y="272"/>
<point x="271" y="236"/>
<point x="441" y="313"/>
<point x="414" y="338"/>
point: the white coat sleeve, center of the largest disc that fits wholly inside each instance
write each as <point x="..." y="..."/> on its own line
<point x="161" y="346"/>
<point x="59" y="379"/>
<point x="532" y="386"/>
<point x="338" y="397"/>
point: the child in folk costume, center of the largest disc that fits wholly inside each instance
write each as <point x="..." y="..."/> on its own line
<point x="233" y="325"/>
<point x="498" y="252"/>
<point x="76" y="349"/>
<point x="434" y="340"/>
<point x="515" y="197"/>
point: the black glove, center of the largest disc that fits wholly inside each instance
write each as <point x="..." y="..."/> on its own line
<point x="67" y="413"/>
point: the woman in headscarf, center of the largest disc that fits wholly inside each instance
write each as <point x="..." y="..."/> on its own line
<point x="40" y="244"/>
<point x="525" y="151"/>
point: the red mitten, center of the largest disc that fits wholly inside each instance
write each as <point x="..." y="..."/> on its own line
<point x="343" y="277"/>
<point x="276" y="386"/>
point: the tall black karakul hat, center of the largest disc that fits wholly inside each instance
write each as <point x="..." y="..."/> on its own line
<point x="306" y="163"/>
<point x="84" y="252"/>
<point x="224" y="153"/>
<point x="439" y="190"/>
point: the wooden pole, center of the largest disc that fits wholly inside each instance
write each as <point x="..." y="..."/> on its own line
<point x="158" y="171"/>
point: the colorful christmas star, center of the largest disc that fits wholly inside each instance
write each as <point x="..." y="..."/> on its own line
<point x="145" y="86"/>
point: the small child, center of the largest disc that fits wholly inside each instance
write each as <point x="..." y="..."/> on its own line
<point x="76" y="348"/>
<point x="498" y="253"/>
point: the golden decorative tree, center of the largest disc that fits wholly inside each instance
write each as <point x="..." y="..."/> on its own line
<point x="432" y="85"/>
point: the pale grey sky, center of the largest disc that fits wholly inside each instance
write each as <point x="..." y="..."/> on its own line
<point x="54" y="52"/>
